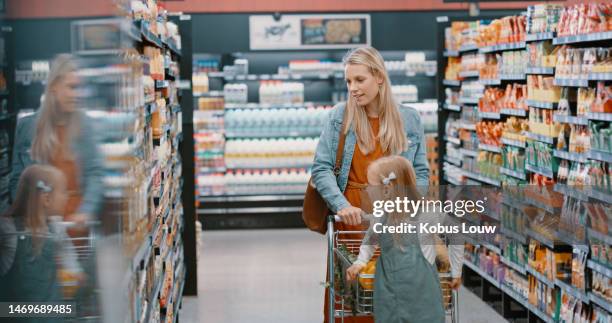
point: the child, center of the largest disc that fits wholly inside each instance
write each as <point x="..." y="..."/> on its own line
<point x="406" y="283"/>
<point x="31" y="229"/>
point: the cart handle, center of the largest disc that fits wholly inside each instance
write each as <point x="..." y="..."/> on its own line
<point x="364" y="217"/>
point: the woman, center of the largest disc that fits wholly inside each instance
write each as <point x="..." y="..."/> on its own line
<point x="375" y="127"/>
<point x="61" y="135"/>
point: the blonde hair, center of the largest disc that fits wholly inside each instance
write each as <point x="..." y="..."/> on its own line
<point x="46" y="141"/>
<point x="391" y="134"/>
<point x="35" y="181"/>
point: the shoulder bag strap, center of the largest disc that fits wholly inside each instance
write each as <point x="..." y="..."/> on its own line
<point x="340" y="151"/>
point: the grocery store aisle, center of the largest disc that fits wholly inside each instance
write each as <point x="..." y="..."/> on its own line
<point x="274" y="276"/>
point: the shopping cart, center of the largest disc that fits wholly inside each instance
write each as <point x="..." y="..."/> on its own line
<point x="352" y="298"/>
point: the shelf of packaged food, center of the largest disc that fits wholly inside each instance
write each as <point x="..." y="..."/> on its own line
<point x="452" y="160"/>
<point x="542" y="239"/>
<point x="149" y="35"/>
<point x="600" y="155"/>
<point x="142" y="252"/>
<point x="484" y="275"/>
<point x="570" y="119"/>
<point x="452" y="107"/>
<point x="600" y="116"/>
<point x="451" y="82"/>
<point x="583" y="38"/>
<point x="570" y="240"/>
<point x="540" y="36"/>
<point x="569" y="191"/>
<point x="514" y="112"/>
<point x="453" y="140"/>
<point x="513" y="77"/>
<point x="209" y="170"/>
<point x="153" y="298"/>
<point x="179" y="299"/>
<point x="540" y="205"/>
<point x="490" y="81"/>
<point x="502" y="47"/>
<point x="600" y="76"/>
<point x="538" y="137"/>
<point x="539" y="170"/>
<point x="468" y="48"/>
<point x="481" y="178"/>
<point x="600" y="301"/>
<point x="491" y="247"/>
<point x="171" y="44"/>
<point x="489" y="115"/>
<point x="491" y="148"/>
<point x="467" y="126"/>
<point x="524" y="302"/>
<point x="469" y="152"/>
<point x="571" y="82"/>
<point x="469" y="100"/>
<point x="262" y="210"/>
<point x="577" y="157"/>
<point x="209" y="94"/>
<point x="600" y="196"/>
<point x="246" y="167"/>
<point x="280" y="77"/>
<point x="513" y="266"/>
<point x="540" y="70"/>
<point x="451" y="53"/>
<point x="602" y="269"/>
<point x="542" y="104"/>
<point x="514" y="235"/>
<point x="513" y="173"/>
<point x="542" y="278"/>
<point x="251" y="198"/>
<point x="264" y="106"/>
<point x="466" y="74"/>
<point x="289" y="134"/>
<point x="596" y="235"/>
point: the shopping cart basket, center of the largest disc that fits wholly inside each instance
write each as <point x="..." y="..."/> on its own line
<point x="352" y="298"/>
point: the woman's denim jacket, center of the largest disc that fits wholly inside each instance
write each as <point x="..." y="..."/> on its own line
<point x="330" y="188"/>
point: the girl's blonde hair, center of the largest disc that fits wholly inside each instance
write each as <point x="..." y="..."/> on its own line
<point x="391" y="134"/>
<point x="27" y="207"/>
<point x="46" y="142"/>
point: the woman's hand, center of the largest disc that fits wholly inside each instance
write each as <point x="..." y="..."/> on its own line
<point x="456" y="283"/>
<point x="351" y="215"/>
<point x="353" y="271"/>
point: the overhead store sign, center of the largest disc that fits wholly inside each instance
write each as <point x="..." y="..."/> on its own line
<point x="309" y="31"/>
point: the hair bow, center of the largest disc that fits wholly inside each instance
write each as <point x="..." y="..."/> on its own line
<point x="43" y="187"/>
<point x="387" y="180"/>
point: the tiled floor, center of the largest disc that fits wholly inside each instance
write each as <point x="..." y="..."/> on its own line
<point x="274" y="276"/>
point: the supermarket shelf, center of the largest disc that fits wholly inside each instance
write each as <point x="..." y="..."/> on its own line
<point x="601" y="36"/>
<point x="466" y="74"/>
<point x="251" y="198"/>
<point x="453" y="181"/>
<point x="469" y="152"/>
<point x="208" y="170"/>
<point x="576" y="293"/>
<point x="454" y="161"/>
<point x="172" y="46"/>
<point x="581" y="158"/>
<point x="569" y="191"/>
<point x="514" y="235"/>
<point x="599" y="268"/>
<point x="514" y="266"/>
<point x="491" y="148"/>
<point x="230" y="167"/>
<point x="210" y="94"/>
<point x="543" y="316"/>
<point x="600" y="155"/>
<point x="540" y="70"/>
<point x="467" y="126"/>
<point x="453" y="140"/>
<point x="592" y="234"/>
<point x="601" y="302"/>
<point x="489" y="115"/>
<point x="515" y="174"/>
<point x="451" y="53"/>
<point x="600" y="196"/>
<point x="540" y="277"/>
<point x="535" y="235"/>
<point x="254" y="210"/>
<point x="600" y="76"/>
<point x="481" y="178"/>
<point x="469" y="100"/>
<point x="491" y="247"/>
<point x="600" y="116"/>
<point x="468" y="48"/>
<point x="539" y="170"/>
<point x="502" y="47"/>
<point x="451" y="82"/>
<point x="570" y="240"/>
<point x="150" y="36"/>
<point x="452" y="107"/>
<point x="514" y="112"/>
<point x="540" y="36"/>
<point x="484" y="275"/>
<point x="542" y="206"/>
<point x="292" y="134"/>
<point x="571" y="82"/>
<point x="538" y="137"/>
<point x="490" y="81"/>
<point x="570" y="119"/>
<point x="512" y="77"/>
<point x="542" y="104"/>
<point x="274" y="106"/>
<point x="142" y="252"/>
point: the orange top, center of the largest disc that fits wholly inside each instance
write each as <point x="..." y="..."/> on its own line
<point x="71" y="171"/>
